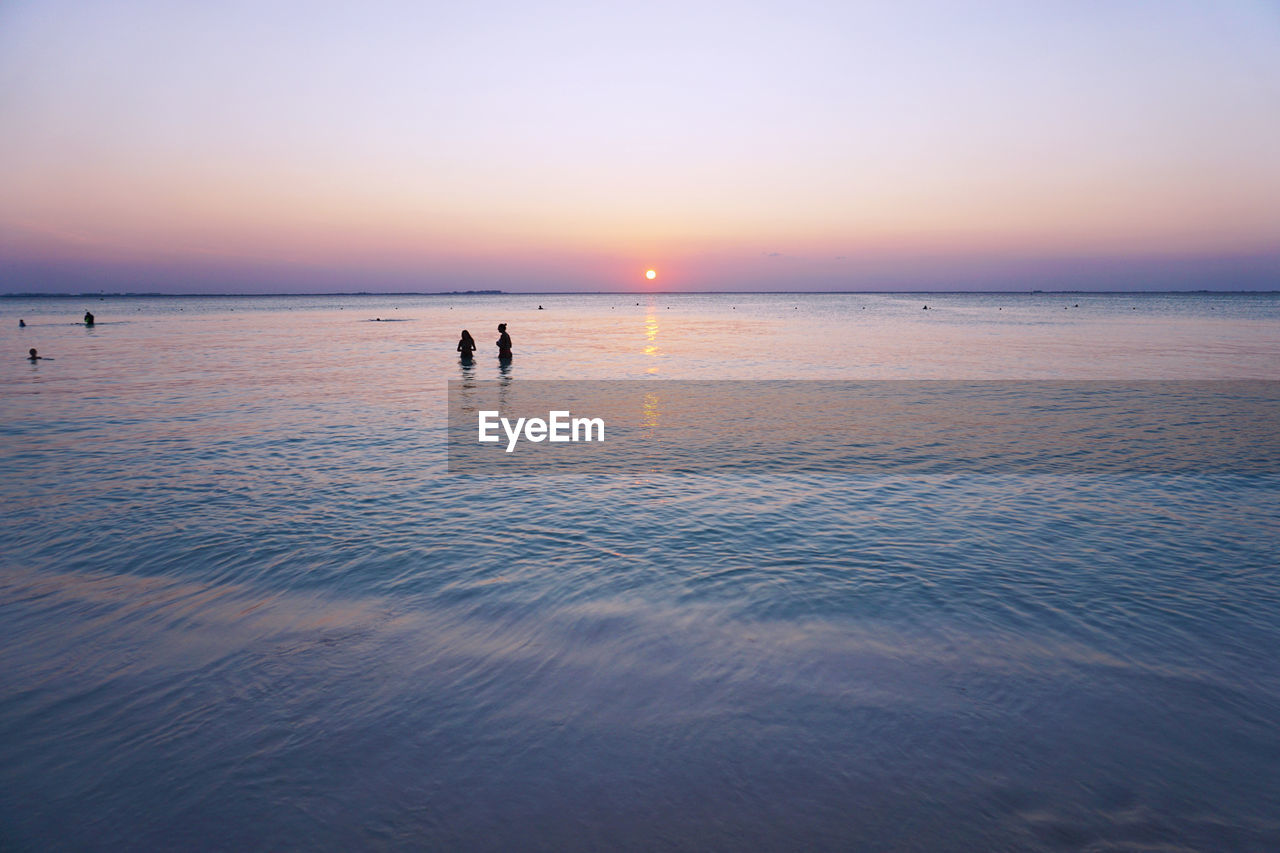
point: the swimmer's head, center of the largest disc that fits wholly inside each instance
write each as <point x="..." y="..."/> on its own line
<point x="32" y="351"/>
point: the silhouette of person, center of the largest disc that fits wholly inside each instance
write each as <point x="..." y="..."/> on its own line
<point x="504" y="342"/>
<point x="88" y="319"/>
<point x="32" y="355"/>
<point x="466" y="345"/>
<point x="22" y="324"/>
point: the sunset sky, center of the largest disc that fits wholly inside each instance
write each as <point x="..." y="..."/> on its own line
<point x="313" y="147"/>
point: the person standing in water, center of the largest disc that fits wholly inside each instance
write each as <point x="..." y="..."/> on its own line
<point x="33" y="356"/>
<point x="466" y="346"/>
<point x="88" y="319"/>
<point x="504" y="342"/>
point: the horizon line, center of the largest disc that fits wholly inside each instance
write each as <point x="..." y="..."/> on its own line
<point x="158" y="294"/>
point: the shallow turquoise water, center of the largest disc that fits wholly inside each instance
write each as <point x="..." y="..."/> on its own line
<point x="245" y="604"/>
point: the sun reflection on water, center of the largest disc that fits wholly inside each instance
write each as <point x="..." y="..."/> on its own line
<point x="651" y="338"/>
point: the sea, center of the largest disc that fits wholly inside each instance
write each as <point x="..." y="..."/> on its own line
<point x="246" y="604"/>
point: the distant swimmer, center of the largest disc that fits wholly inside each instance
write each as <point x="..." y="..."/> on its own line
<point x="32" y="355"/>
<point x="88" y="319"/>
<point x="539" y="307"/>
<point x="466" y="346"/>
<point x="504" y="342"/>
<point x="22" y="324"/>
<point x="926" y="308"/>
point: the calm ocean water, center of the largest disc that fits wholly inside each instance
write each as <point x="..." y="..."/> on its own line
<point x="245" y="606"/>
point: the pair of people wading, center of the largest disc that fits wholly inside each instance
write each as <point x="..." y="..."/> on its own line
<point x="467" y="344"/>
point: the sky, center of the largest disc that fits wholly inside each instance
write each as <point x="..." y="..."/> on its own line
<point x="315" y="147"/>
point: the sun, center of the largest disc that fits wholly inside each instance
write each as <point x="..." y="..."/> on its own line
<point x="650" y="274"/>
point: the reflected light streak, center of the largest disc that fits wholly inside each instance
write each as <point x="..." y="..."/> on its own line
<point x="650" y="415"/>
<point x="651" y="337"/>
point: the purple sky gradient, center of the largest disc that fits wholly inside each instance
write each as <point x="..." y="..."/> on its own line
<point x="300" y="147"/>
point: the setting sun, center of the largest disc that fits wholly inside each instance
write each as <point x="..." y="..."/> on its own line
<point x="650" y="274"/>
